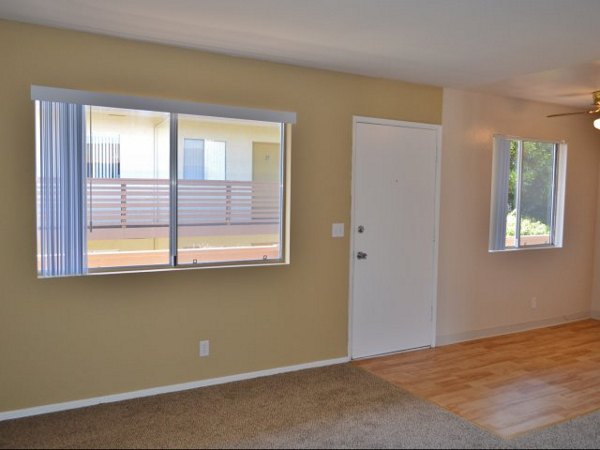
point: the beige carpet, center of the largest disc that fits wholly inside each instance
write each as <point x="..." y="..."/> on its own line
<point x="334" y="407"/>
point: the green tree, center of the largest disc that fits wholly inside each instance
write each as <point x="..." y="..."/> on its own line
<point x="537" y="174"/>
<point x="537" y="180"/>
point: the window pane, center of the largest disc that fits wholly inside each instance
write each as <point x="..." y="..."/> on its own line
<point x="232" y="213"/>
<point x="193" y="159"/>
<point x="214" y="161"/>
<point x="536" y="192"/>
<point x="127" y="190"/>
<point x="511" y="207"/>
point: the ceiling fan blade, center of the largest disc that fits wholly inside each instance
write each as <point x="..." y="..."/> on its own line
<point x="570" y="114"/>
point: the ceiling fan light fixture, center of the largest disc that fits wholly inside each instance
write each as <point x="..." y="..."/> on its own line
<point x="595" y="109"/>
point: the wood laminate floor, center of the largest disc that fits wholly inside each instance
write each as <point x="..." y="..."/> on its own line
<point x="508" y="384"/>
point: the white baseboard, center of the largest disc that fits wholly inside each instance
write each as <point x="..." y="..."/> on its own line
<point x="510" y="329"/>
<point x="595" y="315"/>
<point x="55" y="407"/>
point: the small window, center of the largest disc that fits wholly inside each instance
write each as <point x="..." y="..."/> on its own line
<point x="129" y="184"/>
<point x="528" y="184"/>
<point x="193" y="159"/>
<point x="204" y="159"/>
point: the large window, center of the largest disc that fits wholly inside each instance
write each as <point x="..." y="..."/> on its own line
<point x="528" y="186"/>
<point x="125" y="183"/>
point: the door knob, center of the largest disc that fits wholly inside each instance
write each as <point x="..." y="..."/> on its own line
<point x="361" y="255"/>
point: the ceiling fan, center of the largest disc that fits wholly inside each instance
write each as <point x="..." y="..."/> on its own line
<point x="595" y="109"/>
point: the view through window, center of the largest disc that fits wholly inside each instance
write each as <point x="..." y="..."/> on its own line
<point x="156" y="189"/>
<point x="527" y="194"/>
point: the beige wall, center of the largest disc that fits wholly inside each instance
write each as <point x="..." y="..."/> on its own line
<point x="67" y="339"/>
<point x="596" y="285"/>
<point x="479" y="290"/>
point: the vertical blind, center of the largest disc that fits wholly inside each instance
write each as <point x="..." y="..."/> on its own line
<point x="499" y="205"/>
<point x="61" y="189"/>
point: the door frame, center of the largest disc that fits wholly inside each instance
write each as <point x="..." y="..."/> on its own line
<point x="396" y="123"/>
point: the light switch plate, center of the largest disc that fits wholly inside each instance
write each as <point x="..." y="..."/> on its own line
<point x="204" y="348"/>
<point x="337" y="230"/>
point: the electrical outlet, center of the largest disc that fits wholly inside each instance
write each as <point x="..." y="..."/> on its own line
<point x="533" y="302"/>
<point x="204" y="348"/>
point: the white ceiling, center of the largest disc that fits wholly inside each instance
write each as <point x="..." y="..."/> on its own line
<point x="539" y="49"/>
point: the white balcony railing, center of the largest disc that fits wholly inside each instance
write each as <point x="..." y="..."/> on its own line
<point x="127" y="202"/>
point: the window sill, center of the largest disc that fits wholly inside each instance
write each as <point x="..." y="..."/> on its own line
<point x="151" y="269"/>
<point x="529" y="247"/>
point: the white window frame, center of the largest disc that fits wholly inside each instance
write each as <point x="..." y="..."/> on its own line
<point x="499" y="194"/>
<point x="284" y="118"/>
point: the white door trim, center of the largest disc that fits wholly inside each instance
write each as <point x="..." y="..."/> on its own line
<point x="397" y="123"/>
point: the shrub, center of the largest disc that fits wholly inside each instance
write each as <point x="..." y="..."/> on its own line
<point x="529" y="226"/>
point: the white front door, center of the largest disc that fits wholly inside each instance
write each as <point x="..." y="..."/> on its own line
<point x="394" y="232"/>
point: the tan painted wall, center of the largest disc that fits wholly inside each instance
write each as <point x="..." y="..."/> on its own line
<point x="67" y="339"/>
<point x="479" y="290"/>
